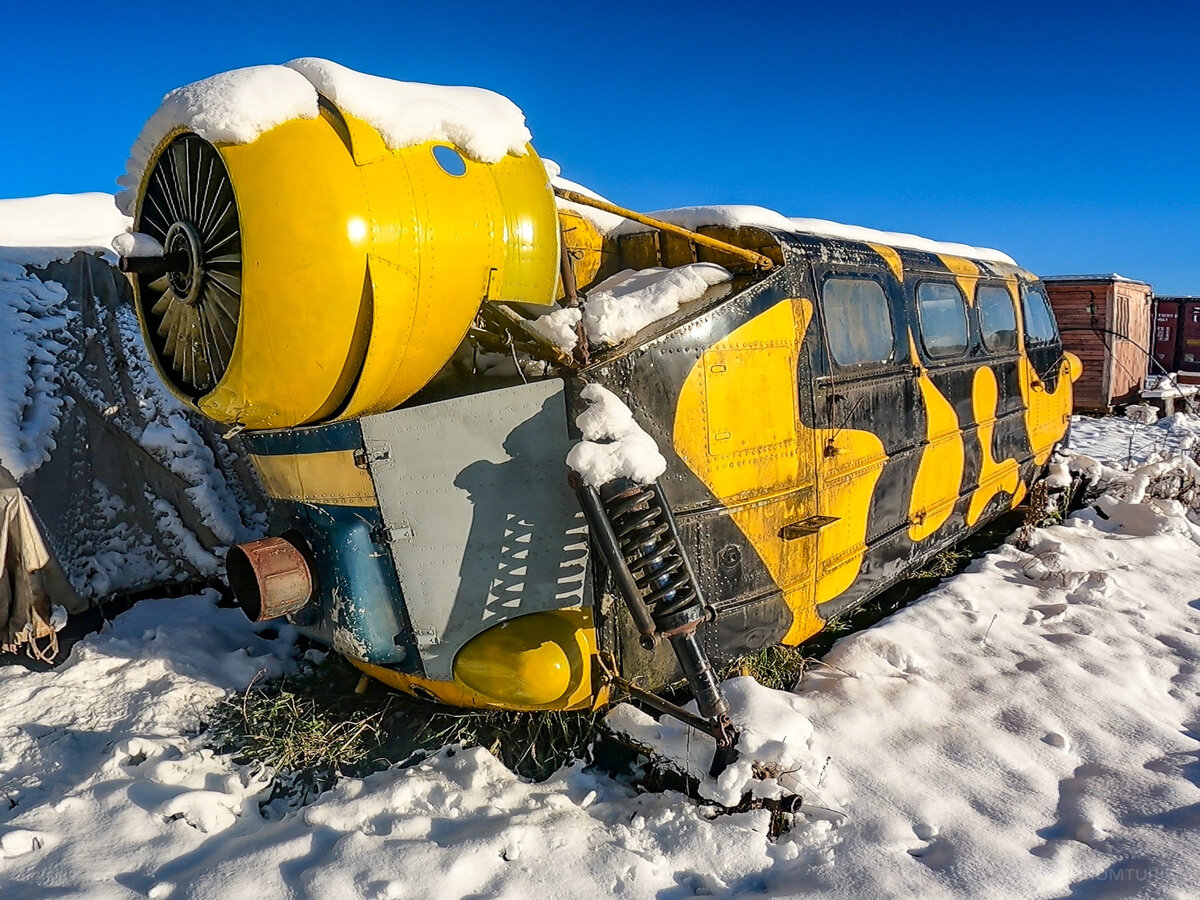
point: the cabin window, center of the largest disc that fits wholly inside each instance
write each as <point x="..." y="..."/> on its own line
<point x="943" y="314"/>
<point x="858" y="320"/>
<point x="1039" y="322"/>
<point x="997" y="318"/>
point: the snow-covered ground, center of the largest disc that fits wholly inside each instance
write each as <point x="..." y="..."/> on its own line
<point x="1031" y="728"/>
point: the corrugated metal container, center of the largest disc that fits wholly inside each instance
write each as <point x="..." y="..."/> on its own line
<point x="1166" y="332"/>
<point x="1177" y="334"/>
<point x="1105" y="321"/>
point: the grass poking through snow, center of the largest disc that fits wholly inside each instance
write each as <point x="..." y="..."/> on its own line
<point x="315" y="727"/>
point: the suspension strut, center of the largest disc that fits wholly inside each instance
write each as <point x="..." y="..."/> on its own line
<point x="636" y="534"/>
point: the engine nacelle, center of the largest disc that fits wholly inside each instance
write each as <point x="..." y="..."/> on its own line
<point x="314" y="274"/>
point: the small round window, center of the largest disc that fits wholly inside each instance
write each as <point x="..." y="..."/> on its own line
<point x="450" y="160"/>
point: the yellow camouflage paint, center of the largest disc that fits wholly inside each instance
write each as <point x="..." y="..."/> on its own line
<point x="737" y="427"/>
<point x="965" y="273"/>
<point x="939" y="474"/>
<point x="850" y="465"/>
<point x="994" y="476"/>
<point x="892" y="258"/>
<point x="1047" y="413"/>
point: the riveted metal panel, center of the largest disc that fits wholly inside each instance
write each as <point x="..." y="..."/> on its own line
<point x="478" y="515"/>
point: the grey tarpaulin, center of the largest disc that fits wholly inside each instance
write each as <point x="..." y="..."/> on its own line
<point x="137" y="491"/>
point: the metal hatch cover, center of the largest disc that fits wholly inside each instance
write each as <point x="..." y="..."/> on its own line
<point x="478" y="515"/>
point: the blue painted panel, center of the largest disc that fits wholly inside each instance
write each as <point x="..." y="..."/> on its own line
<point x="360" y="607"/>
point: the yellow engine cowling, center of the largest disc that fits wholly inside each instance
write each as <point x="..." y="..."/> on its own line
<point x="348" y="272"/>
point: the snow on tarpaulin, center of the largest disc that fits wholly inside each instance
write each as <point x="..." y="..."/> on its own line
<point x="34" y="321"/>
<point x="131" y="489"/>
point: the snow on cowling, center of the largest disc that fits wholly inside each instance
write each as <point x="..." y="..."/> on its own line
<point x="232" y="107"/>
<point x="483" y="124"/>
<point x="238" y="106"/>
<point x="614" y="445"/>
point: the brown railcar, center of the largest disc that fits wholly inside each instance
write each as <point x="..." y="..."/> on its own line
<point x="1177" y="336"/>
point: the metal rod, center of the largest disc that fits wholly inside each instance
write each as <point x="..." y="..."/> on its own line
<point x="760" y="261"/>
<point x="503" y="316"/>
<point x="156" y="265"/>
<point x="665" y="706"/>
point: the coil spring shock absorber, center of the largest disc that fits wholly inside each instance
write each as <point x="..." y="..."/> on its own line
<point x="636" y="533"/>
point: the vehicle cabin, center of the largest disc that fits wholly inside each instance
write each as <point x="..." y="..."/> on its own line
<point x="833" y="424"/>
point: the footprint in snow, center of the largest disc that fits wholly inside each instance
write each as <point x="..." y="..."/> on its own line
<point x="1054" y="739"/>
<point x="935" y="852"/>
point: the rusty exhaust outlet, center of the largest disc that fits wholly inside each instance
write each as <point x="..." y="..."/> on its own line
<point x="269" y="578"/>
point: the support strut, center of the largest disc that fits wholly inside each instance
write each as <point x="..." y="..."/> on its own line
<point x="635" y="532"/>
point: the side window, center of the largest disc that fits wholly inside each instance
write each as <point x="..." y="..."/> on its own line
<point x="858" y="319"/>
<point x="943" y="315"/>
<point x="1039" y="322"/>
<point x="997" y="318"/>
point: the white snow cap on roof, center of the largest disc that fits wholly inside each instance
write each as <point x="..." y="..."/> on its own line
<point x="232" y="107"/>
<point x="1103" y="276"/>
<point x="897" y="239"/>
<point x="483" y="124"/>
<point x="736" y="216"/>
<point x="693" y="217"/>
<point x="237" y="106"/>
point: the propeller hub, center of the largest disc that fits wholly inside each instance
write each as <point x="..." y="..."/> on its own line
<point x="184" y="239"/>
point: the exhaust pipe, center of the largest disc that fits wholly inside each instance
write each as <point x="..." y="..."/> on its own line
<point x="269" y="578"/>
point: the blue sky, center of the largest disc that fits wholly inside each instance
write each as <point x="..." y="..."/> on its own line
<point x="1067" y="134"/>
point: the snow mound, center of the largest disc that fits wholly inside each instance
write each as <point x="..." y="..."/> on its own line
<point x="232" y="107"/>
<point x="775" y="738"/>
<point x="483" y="124"/>
<point x="622" y="305"/>
<point x="40" y="230"/>
<point x="614" y="445"/>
